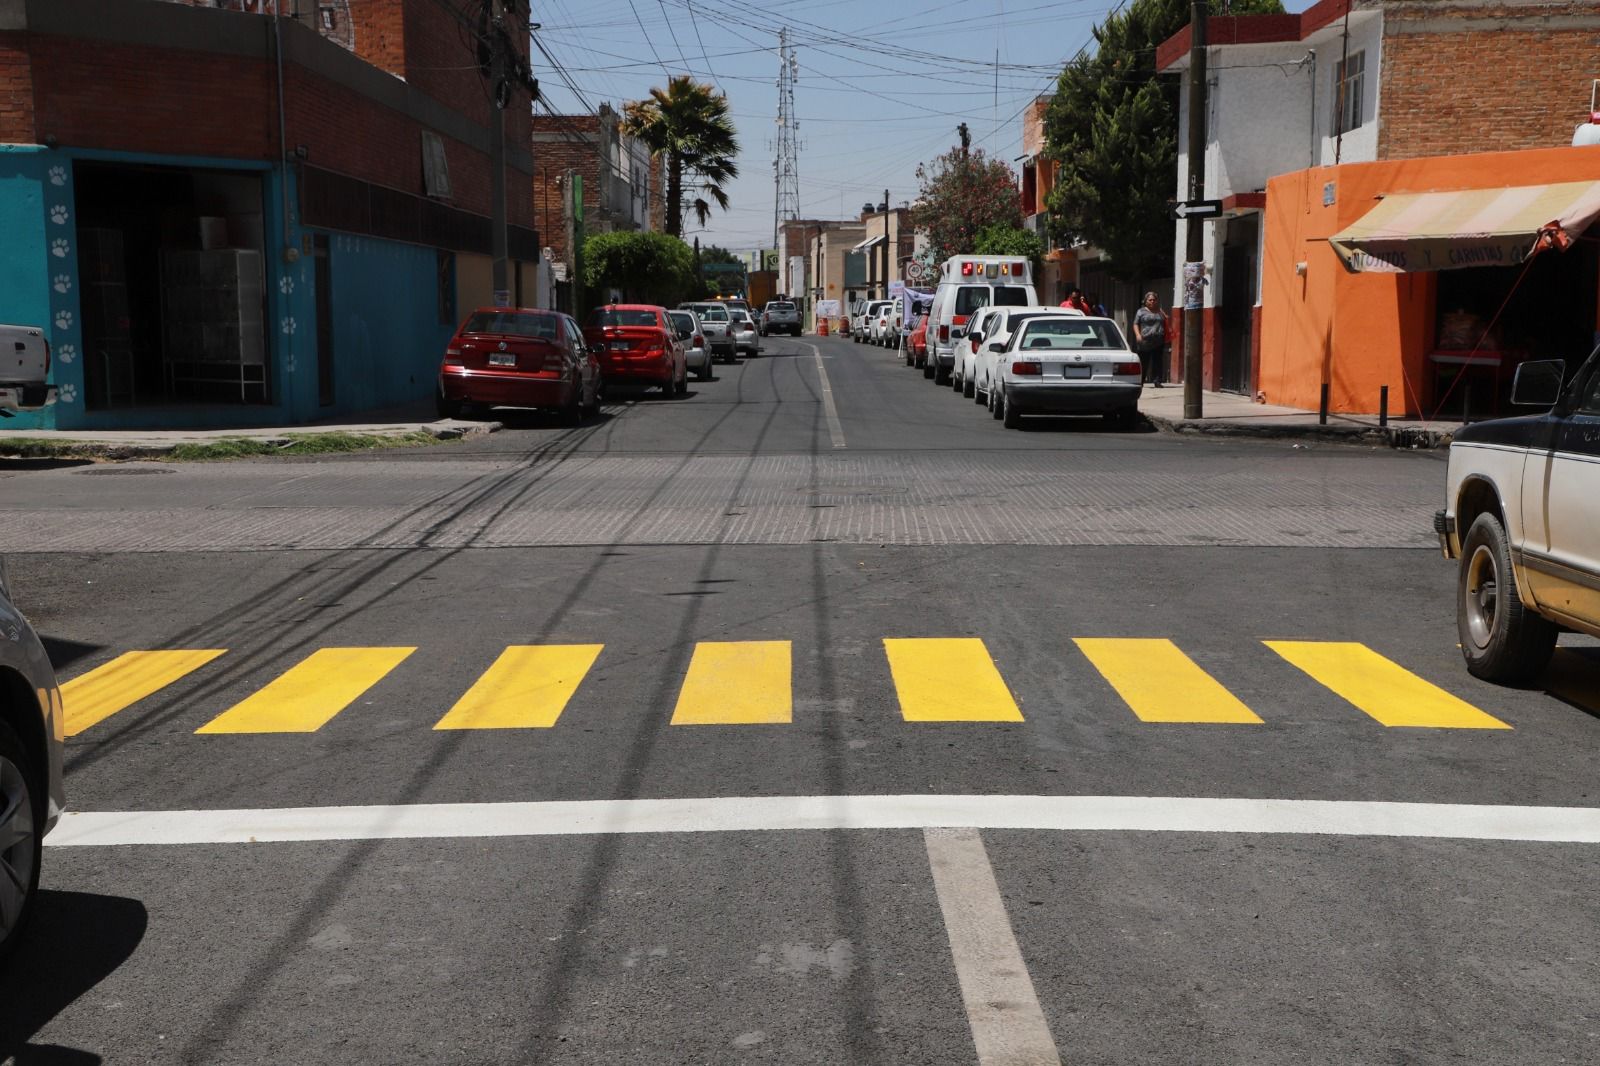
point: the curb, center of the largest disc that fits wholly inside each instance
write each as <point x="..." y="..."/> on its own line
<point x="1402" y="437"/>
<point x="123" y="451"/>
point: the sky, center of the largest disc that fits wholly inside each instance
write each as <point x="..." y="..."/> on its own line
<point x="881" y="88"/>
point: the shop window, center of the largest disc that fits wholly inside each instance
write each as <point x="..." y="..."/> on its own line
<point x="1349" y="77"/>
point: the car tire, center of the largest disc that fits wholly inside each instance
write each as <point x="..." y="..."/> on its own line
<point x="572" y="414"/>
<point x="594" y="404"/>
<point x="969" y="388"/>
<point x="1501" y="639"/>
<point x="448" y="408"/>
<point x="1010" y="417"/>
<point x="941" y="376"/>
<point x="703" y="372"/>
<point x="994" y="403"/>
<point x="928" y="368"/>
<point x="21" y="791"/>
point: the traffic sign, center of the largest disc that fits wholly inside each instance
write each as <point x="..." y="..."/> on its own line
<point x="1197" y="209"/>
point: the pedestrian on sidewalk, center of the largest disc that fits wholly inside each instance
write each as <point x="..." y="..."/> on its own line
<point x="1076" y="302"/>
<point x="1150" y="340"/>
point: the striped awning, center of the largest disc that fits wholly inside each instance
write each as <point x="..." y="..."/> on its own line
<point x="1411" y="232"/>
<point x="870" y="242"/>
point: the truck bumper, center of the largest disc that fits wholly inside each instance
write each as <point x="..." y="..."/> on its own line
<point x="1445" y="526"/>
<point x="26" y="397"/>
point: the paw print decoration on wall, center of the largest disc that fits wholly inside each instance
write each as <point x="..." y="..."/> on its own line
<point x="67" y="353"/>
<point x="62" y="283"/>
<point x="67" y="393"/>
<point x="286" y="285"/>
<point x="58" y="214"/>
<point x="63" y="320"/>
<point x="58" y="176"/>
<point x="288" y="326"/>
<point x="59" y="248"/>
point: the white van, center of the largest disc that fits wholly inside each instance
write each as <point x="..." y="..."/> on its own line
<point x="24" y="364"/>
<point x="966" y="283"/>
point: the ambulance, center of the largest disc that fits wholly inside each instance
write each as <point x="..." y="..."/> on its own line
<point x="967" y="283"/>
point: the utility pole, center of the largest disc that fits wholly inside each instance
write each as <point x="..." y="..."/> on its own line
<point x="1195" y="246"/>
<point x="500" y="95"/>
<point x="886" y="244"/>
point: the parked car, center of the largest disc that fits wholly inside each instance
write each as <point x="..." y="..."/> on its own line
<point x="746" y="337"/>
<point x="716" y="324"/>
<point x="966" y="283"/>
<point x="1520" y="514"/>
<point x="696" y="352"/>
<point x="917" y="342"/>
<point x="1066" y="365"/>
<point x="780" y="316"/>
<point x="964" y="366"/>
<point x="858" y="309"/>
<point x="24" y="365"/>
<point x="638" y="345"/>
<point x="882" y="323"/>
<point x="32" y="797"/>
<point x="997" y="329"/>
<point x="861" y="328"/>
<point x="519" y="357"/>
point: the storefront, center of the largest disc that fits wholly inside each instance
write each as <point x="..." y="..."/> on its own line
<point x="1428" y="280"/>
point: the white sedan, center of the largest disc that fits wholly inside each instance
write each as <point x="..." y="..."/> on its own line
<point x="996" y="334"/>
<point x="966" y="357"/>
<point x="1066" y="365"/>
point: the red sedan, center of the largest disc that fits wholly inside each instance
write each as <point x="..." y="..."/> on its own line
<point x="519" y="357"/>
<point x="917" y="342"/>
<point x="638" y="345"/>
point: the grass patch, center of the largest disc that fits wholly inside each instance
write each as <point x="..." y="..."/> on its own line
<point x="30" y="448"/>
<point x="297" y="444"/>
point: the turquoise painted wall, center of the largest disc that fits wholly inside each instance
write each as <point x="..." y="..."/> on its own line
<point x="387" y="337"/>
<point x="39" y="271"/>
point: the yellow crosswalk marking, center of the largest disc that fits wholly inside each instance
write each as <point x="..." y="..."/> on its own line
<point x="305" y="698"/>
<point x="737" y="683"/>
<point x="1162" y="684"/>
<point x="948" y="679"/>
<point x="1382" y="688"/>
<point x="527" y="687"/>
<point x="124" y="681"/>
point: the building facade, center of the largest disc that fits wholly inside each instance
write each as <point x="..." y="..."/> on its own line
<point x="1358" y="81"/>
<point x="227" y="217"/>
<point x="621" y="179"/>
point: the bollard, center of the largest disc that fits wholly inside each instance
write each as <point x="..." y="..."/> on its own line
<point x="1322" y="410"/>
<point x="1383" y="407"/>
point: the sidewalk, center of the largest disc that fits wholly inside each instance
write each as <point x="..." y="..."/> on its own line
<point x="1229" y="414"/>
<point x="398" y="422"/>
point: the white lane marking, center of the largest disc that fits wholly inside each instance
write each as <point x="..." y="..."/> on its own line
<point x="1008" y="1025"/>
<point x="1140" y="814"/>
<point x="835" y="430"/>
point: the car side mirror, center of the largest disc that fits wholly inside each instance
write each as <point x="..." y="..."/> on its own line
<point x="997" y="346"/>
<point x="1538" y="384"/>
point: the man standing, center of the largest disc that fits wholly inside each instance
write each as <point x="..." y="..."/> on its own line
<point x="1150" y="339"/>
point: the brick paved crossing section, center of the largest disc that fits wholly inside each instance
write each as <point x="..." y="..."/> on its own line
<point x="585" y="499"/>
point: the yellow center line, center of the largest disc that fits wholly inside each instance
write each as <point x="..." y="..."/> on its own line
<point x="1162" y="684"/>
<point x="737" y="683"/>
<point x="948" y="679"/>
<point x="306" y="697"/>
<point x="124" y="681"/>
<point x="1381" y="688"/>
<point x="527" y="687"/>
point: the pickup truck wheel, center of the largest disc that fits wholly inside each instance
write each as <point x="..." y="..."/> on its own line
<point x="21" y="823"/>
<point x="1501" y="639"/>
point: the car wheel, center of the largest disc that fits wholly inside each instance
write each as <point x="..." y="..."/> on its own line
<point x="928" y="367"/>
<point x="969" y="388"/>
<point x="594" y="401"/>
<point x="572" y="414"/>
<point x="957" y="382"/>
<point x="703" y="373"/>
<point x="1010" y="417"/>
<point x="941" y="376"/>
<point x="447" y="408"/>
<point x="1501" y="639"/>
<point x="22" y="804"/>
<point x="994" y="402"/>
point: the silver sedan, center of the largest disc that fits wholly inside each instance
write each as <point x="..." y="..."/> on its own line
<point x="746" y="335"/>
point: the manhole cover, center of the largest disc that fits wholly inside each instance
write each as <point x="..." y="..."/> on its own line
<point x="128" y="470"/>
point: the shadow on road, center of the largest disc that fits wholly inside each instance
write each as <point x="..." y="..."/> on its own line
<point x="17" y="466"/>
<point x="64" y="653"/>
<point x="76" y="940"/>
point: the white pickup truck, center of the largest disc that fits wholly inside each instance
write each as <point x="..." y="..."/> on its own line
<point x="24" y="362"/>
<point x="1522" y="513"/>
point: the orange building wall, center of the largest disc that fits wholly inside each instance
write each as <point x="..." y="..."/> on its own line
<point x="1359" y="332"/>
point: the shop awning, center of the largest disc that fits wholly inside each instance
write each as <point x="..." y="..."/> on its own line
<point x="870" y="242"/>
<point x="1410" y="232"/>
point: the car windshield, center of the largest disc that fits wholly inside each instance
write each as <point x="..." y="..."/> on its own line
<point x="714" y="314"/>
<point x="513" y="324"/>
<point x="684" y="322"/>
<point x="1063" y="333"/>
<point x="739" y="315"/>
<point x="969" y="298"/>
<point x="612" y="316"/>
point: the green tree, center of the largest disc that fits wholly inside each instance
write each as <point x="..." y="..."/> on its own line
<point x="1010" y="240"/>
<point x="687" y="124"/>
<point x="963" y="191"/>
<point x="651" y="268"/>
<point x="715" y="253"/>
<point x="1113" y="128"/>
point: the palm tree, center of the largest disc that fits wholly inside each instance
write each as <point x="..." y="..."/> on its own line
<point x="687" y="123"/>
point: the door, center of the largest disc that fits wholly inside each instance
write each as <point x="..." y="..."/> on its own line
<point x="324" y="283"/>
<point x="1563" y="564"/>
<point x="1238" y="302"/>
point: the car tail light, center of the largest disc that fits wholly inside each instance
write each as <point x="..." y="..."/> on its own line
<point x="555" y="361"/>
<point x="1128" y="368"/>
<point x="699" y="341"/>
<point x="1024" y="370"/>
<point x="966" y="270"/>
<point x="452" y="355"/>
<point x="944" y="332"/>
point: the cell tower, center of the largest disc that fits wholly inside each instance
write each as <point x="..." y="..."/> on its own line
<point x="786" y="164"/>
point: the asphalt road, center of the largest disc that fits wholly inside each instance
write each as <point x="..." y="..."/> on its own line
<point x="794" y="625"/>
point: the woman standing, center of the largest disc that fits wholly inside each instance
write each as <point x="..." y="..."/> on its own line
<point x="1150" y="339"/>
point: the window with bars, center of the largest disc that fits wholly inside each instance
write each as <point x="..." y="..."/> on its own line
<point x="1349" y="77"/>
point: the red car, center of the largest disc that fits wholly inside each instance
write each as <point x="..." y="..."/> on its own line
<point x="638" y="345"/>
<point x="519" y="357"/>
<point x="917" y="343"/>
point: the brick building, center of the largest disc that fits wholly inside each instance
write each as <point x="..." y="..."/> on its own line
<point x="227" y="217"/>
<point x="1354" y="82"/>
<point x="622" y="181"/>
